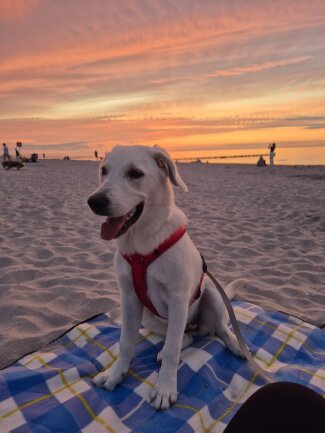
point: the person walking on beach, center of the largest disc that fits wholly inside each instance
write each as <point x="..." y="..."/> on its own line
<point x="272" y="153"/>
<point x="5" y="155"/>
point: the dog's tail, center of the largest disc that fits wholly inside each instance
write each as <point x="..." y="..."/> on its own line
<point x="232" y="288"/>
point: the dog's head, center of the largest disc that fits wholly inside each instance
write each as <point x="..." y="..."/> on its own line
<point x="132" y="179"/>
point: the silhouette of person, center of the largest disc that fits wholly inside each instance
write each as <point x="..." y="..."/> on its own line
<point x="261" y="162"/>
<point x="6" y="155"/>
<point x="272" y="152"/>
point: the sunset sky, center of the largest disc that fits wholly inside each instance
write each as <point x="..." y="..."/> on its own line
<point x="197" y="77"/>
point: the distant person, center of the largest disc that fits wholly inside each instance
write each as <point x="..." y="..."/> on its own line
<point x="34" y="157"/>
<point x="18" y="148"/>
<point x="261" y="162"/>
<point x="96" y="154"/>
<point x="18" y="158"/>
<point x="272" y="152"/>
<point x="6" y="155"/>
<point x="43" y="155"/>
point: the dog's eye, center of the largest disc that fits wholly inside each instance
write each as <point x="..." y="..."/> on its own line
<point x="103" y="171"/>
<point x="135" y="173"/>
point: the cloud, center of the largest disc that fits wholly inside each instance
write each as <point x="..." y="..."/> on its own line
<point x="16" y="9"/>
<point x="316" y="126"/>
<point x="80" y="145"/>
<point x="307" y="122"/>
<point x="305" y="118"/>
<point x="240" y="70"/>
<point x="142" y="70"/>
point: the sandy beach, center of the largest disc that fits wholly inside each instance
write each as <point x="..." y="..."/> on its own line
<point x="265" y="224"/>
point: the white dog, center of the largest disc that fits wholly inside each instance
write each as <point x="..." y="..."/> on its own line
<point x="158" y="267"/>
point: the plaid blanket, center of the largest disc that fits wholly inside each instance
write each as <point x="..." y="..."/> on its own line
<point x="51" y="392"/>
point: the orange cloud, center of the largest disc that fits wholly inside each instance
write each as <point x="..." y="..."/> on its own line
<point x="259" y="67"/>
<point x="16" y="9"/>
<point x="157" y="71"/>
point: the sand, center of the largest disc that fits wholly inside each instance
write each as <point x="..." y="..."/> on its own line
<point x="265" y="224"/>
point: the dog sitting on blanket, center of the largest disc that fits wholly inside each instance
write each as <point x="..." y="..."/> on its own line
<point x="158" y="267"/>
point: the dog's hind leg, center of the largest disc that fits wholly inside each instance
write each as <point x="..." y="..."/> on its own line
<point x="213" y="319"/>
<point x="229" y="339"/>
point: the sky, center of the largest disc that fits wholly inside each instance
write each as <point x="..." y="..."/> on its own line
<point x="196" y="77"/>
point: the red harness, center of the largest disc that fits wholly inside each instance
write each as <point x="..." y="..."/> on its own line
<point x="140" y="263"/>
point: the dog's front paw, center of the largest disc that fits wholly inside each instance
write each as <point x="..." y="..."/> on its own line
<point x="163" y="396"/>
<point x="103" y="380"/>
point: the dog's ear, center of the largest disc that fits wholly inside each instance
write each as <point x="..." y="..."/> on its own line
<point x="165" y="163"/>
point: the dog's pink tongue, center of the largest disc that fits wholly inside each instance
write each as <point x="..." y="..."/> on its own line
<point x="111" y="227"/>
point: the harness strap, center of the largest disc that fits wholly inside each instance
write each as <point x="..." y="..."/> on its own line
<point x="139" y="264"/>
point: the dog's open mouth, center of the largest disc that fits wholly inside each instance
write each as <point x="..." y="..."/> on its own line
<point x="114" y="227"/>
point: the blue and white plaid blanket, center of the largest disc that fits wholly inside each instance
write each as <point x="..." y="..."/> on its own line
<point x="51" y="392"/>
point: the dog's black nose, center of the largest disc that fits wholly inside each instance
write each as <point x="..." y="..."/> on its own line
<point x="98" y="203"/>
